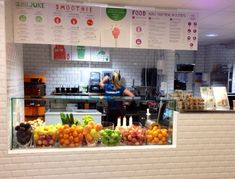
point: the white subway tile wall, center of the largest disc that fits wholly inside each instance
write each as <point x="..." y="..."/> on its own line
<point x="37" y="60"/>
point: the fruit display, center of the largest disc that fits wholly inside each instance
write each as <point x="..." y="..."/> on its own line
<point x="133" y="135"/>
<point x="24" y="134"/>
<point x="110" y="137"/>
<point x="156" y="135"/>
<point x="45" y="136"/>
<point x="70" y="136"/>
<point x="91" y="132"/>
<point x="36" y="123"/>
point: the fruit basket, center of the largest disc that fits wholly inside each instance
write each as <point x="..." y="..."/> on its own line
<point x="91" y="133"/>
<point x="70" y="136"/>
<point x="23" y="135"/>
<point x="110" y="137"/>
<point x="157" y="135"/>
<point x="133" y="135"/>
<point x="45" y="136"/>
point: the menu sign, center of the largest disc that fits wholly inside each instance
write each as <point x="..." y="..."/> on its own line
<point x="221" y="97"/>
<point x="56" y="23"/>
<point x="115" y="27"/>
<point x="164" y="30"/>
<point x="46" y="22"/>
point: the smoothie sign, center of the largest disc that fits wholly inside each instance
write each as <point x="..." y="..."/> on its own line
<point x="79" y="25"/>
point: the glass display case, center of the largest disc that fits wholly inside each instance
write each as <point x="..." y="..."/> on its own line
<point x="84" y="121"/>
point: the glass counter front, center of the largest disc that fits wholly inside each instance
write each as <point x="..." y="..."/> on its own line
<point x="82" y="121"/>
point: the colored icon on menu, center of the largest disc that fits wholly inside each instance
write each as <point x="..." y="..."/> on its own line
<point x="138" y="29"/>
<point x="22" y="18"/>
<point x="138" y="41"/>
<point x="89" y="22"/>
<point x="38" y="19"/>
<point x="73" y="21"/>
<point x="57" y="20"/>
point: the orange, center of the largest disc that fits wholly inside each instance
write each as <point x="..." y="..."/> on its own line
<point x="163" y="139"/>
<point x="79" y="129"/>
<point x="164" y="133"/>
<point x="66" y="142"/>
<point x="156" y="139"/>
<point x="66" y="131"/>
<point x="155" y="133"/>
<point x="61" y="130"/>
<point x="149" y="137"/>
<point x="160" y="142"/>
<point x="160" y="136"/>
<point x="61" y="136"/>
<point x="77" y="144"/>
<point x="75" y="134"/>
<point x="66" y="136"/>
<point x="80" y="136"/>
<point x="72" y="145"/>
<point x="76" y="139"/>
<point x="66" y="126"/>
<point x="61" y="141"/>
<point x="71" y="138"/>
<point x="155" y="128"/>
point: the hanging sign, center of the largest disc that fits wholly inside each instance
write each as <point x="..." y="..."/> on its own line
<point x="45" y="22"/>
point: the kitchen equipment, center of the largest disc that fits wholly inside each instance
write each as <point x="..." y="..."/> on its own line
<point x="94" y="82"/>
<point x="34" y="87"/>
<point x="185" y="67"/>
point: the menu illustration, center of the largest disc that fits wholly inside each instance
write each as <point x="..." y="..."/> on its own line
<point x="61" y="53"/>
<point x="115" y="27"/>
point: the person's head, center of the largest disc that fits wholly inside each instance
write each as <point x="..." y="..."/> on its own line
<point x="116" y="79"/>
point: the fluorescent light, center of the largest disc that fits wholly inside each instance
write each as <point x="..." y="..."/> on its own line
<point x="211" y="35"/>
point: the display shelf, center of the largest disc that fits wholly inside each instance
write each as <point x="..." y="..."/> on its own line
<point x="133" y="106"/>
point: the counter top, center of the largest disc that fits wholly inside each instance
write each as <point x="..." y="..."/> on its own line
<point x="207" y="111"/>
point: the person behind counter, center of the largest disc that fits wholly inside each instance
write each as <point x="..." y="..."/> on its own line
<point x="113" y="87"/>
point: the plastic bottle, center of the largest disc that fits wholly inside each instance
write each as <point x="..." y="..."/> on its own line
<point x="124" y="122"/>
<point x="119" y="121"/>
<point x="130" y="121"/>
<point x="148" y="114"/>
<point x="118" y="127"/>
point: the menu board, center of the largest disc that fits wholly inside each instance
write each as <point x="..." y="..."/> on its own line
<point x="46" y="22"/>
<point x="56" y="23"/>
<point x="164" y="30"/>
<point x="115" y="27"/>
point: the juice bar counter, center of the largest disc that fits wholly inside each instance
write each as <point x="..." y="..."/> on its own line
<point x="205" y="148"/>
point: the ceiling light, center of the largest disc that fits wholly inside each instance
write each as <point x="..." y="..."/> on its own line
<point x="211" y="35"/>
